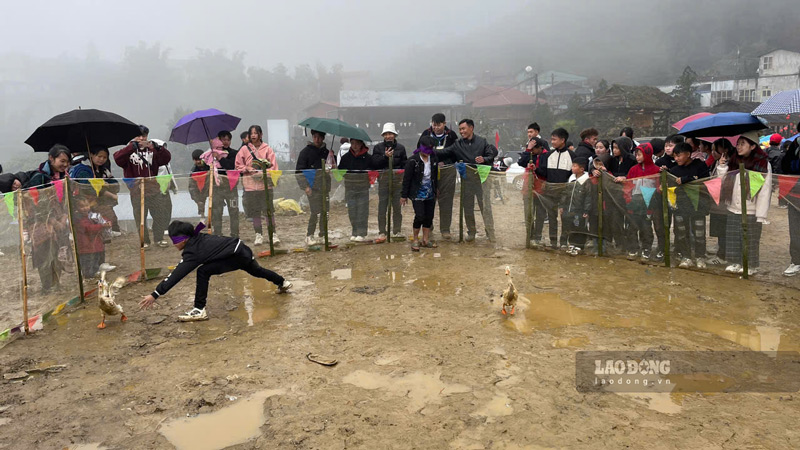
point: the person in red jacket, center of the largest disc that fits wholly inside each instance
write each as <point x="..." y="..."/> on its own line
<point x="644" y="182"/>
<point x="141" y="159"/>
<point x="90" y="227"/>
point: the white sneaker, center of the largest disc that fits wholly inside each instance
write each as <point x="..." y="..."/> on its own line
<point x="163" y="244"/>
<point x="685" y="263"/>
<point x="194" y="315"/>
<point x="259" y="239"/>
<point x="311" y="241"/>
<point x="106" y="267"/>
<point x="700" y="263"/>
<point x="792" y="270"/>
<point x="734" y="268"/>
<point x="359" y="239"/>
<point x="382" y="236"/>
<point x="116" y="233"/>
<point x="2" y="254"/>
<point x="397" y="235"/>
<point x="352" y="238"/>
<point x="751" y="271"/>
<point x="275" y="239"/>
<point x="284" y="288"/>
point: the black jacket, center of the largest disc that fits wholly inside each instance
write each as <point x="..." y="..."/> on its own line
<point x="415" y="170"/>
<point x="228" y="162"/>
<point x="362" y="163"/>
<point x="382" y="162"/>
<point x="311" y="157"/>
<point x="467" y="151"/>
<point x="450" y="137"/>
<point x="621" y="168"/>
<point x="525" y="158"/>
<point x="7" y="180"/>
<point x="586" y="151"/>
<point x="202" y="249"/>
<point x="556" y="165"/>
<point x="775" y="155"/>
<point x="695" y="170"/>
<point x="666" y="161"/>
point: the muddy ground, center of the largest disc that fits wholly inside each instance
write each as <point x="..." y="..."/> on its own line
<point x="425" y="359"/>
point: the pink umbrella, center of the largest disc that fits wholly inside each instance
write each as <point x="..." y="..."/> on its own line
<point x="732" y="139"/>
<point x="679" y="124"/>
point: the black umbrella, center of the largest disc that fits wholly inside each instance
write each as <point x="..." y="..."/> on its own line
<point x="82" y="129"/>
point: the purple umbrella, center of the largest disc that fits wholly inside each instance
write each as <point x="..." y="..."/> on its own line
<point x="202" y="126"/>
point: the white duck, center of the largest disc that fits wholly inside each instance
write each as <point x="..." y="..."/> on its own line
<point x="106" y="294"/>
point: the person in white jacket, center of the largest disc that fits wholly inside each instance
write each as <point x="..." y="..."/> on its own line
<point x="756" y="204"/>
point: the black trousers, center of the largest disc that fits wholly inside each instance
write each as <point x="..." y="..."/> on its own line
<point x="160" y="208"/>
<point x="473" y="192"/>
<point x="447" y="190"/>
<point x="315" y="205"/>
<point x="536" y="220"/>
<point x="794" y="231"/>
<point x="423" y="213"/>
<point x="225" y="197"/>
<point x="383" y="202"/>
<point x="242" y="260"/>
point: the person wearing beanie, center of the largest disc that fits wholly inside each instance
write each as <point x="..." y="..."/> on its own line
<point x="210" y="255"/>
<point x="754" y="159"/>
<point x="574" y="207"/>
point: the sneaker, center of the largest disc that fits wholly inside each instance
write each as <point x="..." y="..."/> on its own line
<point x="470" y="237"/>
<point x="310" y="240"/>
<point x="659" y="256"/>
<point x="716" y="260"/>
<point x="359" y="239"/>
<point x="382" y="236"/>
<point x="116" y="233"/>
<point x="145" y="245"/>
<point x="700" y="263"/>
<point x="783" y="206"/>
<point x="106" y="267"/>
<point x="792" y="270"/>
<point x="751" y="271"/>
<point x="447" y="236"/>
<point x="397" y="235"/>
<point x="163" y="243"/>
<point x="259" y="239"/>
<point x="565" y="248"/>
<point x="352" y="238"/>
<point x="194" y="315"/>
<point x="575" y="251"/>
<point x="275" y="239"/>
<point x="632" y="255"/>
<point x="645" y="255"/>
<point x="734" y="268"/>
<point x="284" y="288"/>
<point x="686" y="263"/>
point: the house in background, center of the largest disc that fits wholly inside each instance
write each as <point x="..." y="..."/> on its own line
<point x="645" y="108"/>
<point x="559" y="94"/>
<point x="778" y="70"/>
<point x="506" y="108"/>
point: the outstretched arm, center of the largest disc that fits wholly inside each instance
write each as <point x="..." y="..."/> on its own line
<point x="181" y="270"/>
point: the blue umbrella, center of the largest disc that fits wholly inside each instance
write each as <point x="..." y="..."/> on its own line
<point x="779" y="106"/>
<point x="202" y="126"/>
<point x="791" y="138"/>
<point x="722" y="124"/>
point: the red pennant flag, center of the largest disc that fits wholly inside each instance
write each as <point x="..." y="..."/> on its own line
<point x="785" y="184"/>
<point x="200" y="179"/>
<point x="373" y="176"/>
<point x="59" y="185"/>
<point x="496" y="139"/>
<point x="233" y="178"/>
<point x="627" y="191"/>
<point x="34" y="195"/>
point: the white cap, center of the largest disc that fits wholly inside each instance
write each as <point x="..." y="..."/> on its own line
<point x="389" y="127"/>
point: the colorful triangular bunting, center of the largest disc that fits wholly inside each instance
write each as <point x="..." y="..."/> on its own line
<point x="9" y="199"/>
<point x="373" y="176"/>
<point x="275" y="175"/>
<point x="200" y="179"/>
<point x="233" y="178"/>
<point x="34" y="193"/>
<point x="163" y="182"/>
<point x="59" y="185"/>
<point x="483" y="172"/>
<point x="97" y="184"/>
<point x="647" y="194"/>
<point x="714" y="186"/>
<point x="310" y="175"/>
<point x="338" y="174"/>
<point x="672" y="197"/>
<point x="786" y="184"/>
<point x="756" y="181"/>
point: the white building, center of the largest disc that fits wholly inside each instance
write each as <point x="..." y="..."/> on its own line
<point x="778" y="71"/>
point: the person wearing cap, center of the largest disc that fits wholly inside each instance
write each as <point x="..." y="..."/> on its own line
<point x="530" y="158"/>
<point x="311" y="158"/>
<point x="389" y="148"/>
<point x="754" y="159"/>
<point x="210" y="255"/>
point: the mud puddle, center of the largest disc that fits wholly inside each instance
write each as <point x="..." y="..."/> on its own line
<point x="421" y="389"/>
<point x="260" y="302"/>
<point x="228" y="426"/>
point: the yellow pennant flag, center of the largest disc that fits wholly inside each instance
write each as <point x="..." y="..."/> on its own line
<point x="275" y="175"/>
<point x="97" y="184"/>
<point x="672" y="197"/>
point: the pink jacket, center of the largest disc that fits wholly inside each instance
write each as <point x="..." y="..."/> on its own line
<point x="251" y="177"/>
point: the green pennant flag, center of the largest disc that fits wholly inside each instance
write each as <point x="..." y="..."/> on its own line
<point x="483" y="172"/>
<point x="756" y="181"/>
<point x="4" y="335"/>
<point x="338" y="174"/>
<point x="693" y="192"/>
<point x="163" y="182"/>
<point x="9" y="198"/>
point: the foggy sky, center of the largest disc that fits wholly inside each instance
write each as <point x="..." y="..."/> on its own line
<point x="359" y="34"/>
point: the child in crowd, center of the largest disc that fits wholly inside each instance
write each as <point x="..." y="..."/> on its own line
<point x="667" y="161"/>
<point x="574" y="206"/>
<point x="691" y="207"/>
<point x="199" y="195"/>
<point x="90" y="230"/>
<point x="640" y="207"/>
<point x="210" y="255"/>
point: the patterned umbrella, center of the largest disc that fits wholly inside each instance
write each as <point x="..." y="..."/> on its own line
<point x="779" y="106"/>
